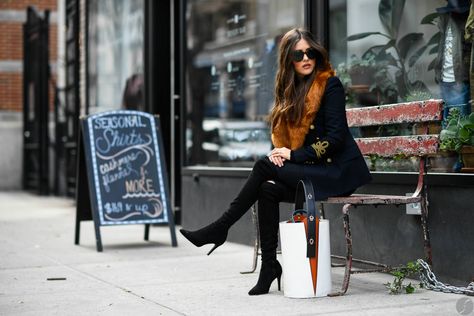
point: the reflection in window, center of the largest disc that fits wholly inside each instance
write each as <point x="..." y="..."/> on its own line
<point x="116" y="55"/>
<point x="231" y="57"/>
<point x="396" y="51"/>
<point x="389" y="57"/>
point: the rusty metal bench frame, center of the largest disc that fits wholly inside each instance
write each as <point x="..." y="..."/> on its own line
<point x="417" y="145"/>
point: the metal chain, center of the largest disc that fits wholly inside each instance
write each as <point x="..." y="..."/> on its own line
<point x="429" y="281"/>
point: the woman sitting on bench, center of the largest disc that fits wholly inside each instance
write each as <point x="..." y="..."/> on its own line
<point x="311" y="140"/>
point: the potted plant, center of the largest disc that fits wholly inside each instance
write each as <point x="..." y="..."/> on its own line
<point x="458" y="136"/>
<point x="362" y="73"/>
<point x="398" y="53"/>
<point x="367" y="81"/>
<point x="362" y="70"/>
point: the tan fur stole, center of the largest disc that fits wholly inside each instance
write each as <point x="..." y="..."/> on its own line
<point x="292" y="135"/>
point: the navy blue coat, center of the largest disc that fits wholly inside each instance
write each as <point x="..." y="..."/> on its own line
<point x="329" y="157"/>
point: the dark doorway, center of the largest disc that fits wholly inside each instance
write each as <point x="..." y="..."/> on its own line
<point x="35" y="102"/>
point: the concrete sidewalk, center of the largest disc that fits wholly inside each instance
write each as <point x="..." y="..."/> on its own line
<point x="134" y="277"/>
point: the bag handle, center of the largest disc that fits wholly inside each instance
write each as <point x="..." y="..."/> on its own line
<point x="305" y="187"/>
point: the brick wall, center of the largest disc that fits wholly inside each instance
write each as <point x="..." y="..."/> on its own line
<point x="11" y="90"/>
<point x="11" y="41"/>
<point x="23" y="4"/>
<point x="11" y="51"/>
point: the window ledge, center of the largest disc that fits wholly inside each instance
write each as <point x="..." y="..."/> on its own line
<point x="379" y="177"/>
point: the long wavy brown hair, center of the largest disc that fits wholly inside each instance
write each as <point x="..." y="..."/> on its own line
<point x="290" y="90"/>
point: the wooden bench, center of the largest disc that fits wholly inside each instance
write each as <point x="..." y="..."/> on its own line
<point x="420" y="144"/>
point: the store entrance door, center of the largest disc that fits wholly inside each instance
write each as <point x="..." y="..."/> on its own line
<point x="35" y="102"/>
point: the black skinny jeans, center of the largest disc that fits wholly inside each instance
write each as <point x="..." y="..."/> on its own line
<point x="265" y="186"/>
<point x="269" y="185"/>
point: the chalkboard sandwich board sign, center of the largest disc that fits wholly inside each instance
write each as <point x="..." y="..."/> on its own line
<point x="121" y="155"/>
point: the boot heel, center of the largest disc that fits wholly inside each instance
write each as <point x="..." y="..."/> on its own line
<point x="213" y="248"/>
<point x="211" y="234"/>
<point x="279" y="273"/>
<point x="268" y="273"/>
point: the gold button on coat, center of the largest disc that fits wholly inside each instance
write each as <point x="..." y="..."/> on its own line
<point x="311" y="126"/>
<point x="329" y="160"/>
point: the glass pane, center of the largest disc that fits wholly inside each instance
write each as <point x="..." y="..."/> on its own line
<point x="116" y="55"/>
<point x="231" y="53"/>
<point x="396" y="51"/>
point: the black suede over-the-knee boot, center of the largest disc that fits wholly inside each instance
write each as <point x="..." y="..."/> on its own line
<point x="216" y="232"/>
<point x="270" y="195"/>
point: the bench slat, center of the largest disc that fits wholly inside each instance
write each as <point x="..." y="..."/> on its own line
<point x="417" y="145"/>
<point x="409" y="112"/>
<point x="361" y="199"/>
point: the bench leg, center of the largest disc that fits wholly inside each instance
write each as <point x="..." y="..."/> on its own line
<point x="426" y="232"/>
<point x="256" y="245"/>
<point x="348" y="235"/>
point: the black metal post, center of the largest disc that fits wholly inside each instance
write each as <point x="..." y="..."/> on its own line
<point x="317" y="20"/>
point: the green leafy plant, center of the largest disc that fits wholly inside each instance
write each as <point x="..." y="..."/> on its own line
<point x="418" y="96"/>
<point x="343" y="74"/>
<point x="376" y="74"/>
<point x="364" y="68"/>
<point x="400" y="273"/>
<point x="459" y="131"/>
<point x="397" y="52"/>
<point x="369" y="72"/>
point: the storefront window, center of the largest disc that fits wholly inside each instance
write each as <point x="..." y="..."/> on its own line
<point x="231" y="56"/>
<point x="394" y="51"/>
<point x="116" y="55"/>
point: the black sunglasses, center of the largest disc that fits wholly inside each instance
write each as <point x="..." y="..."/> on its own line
<point x="298" y="55"/>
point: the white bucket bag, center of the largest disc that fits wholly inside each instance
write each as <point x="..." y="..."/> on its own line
<point x="305" y="248"/>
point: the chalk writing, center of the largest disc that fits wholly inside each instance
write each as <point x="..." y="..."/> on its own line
<point x="139" y="186"/>
<point x="122" y="173"/>
<point x="125" y="121"/>
<point x="113" y="138"/>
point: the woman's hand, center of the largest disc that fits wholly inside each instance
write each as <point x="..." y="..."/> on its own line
<point x="279" y="155"/>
